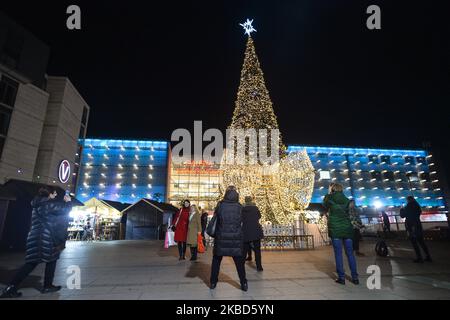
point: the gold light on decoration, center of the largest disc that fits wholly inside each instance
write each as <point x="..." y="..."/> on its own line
<point x="281" y="190"/>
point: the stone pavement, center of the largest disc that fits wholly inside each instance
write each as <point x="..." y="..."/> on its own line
<point x="144" y="270"/>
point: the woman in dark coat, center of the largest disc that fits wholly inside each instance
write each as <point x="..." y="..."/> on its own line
<point x="43" y="245"/>
<point x="229" y="239"/>
<point x="252" y="229"/>
<point x="180" y="226"/>
<point x="204" y="219"/>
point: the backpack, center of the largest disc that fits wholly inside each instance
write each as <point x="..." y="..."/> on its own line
<point x="381" y="248"/>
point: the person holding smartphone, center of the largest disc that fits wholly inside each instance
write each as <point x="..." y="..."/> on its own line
<point x="42" y="244"/>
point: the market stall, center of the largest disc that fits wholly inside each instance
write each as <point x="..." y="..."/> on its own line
<point x="96" y="220"/>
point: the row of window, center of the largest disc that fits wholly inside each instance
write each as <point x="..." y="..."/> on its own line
<point x="126" y="149"/>
<point x="371" y="159"/>
<point x="382" y="176"/>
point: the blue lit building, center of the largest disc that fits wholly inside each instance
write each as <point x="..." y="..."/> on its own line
<point x="377" y="177"/>
<point x="128" y="170"/>
<point x="123" y="170"/>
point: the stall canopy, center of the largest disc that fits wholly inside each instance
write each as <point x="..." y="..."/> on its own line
<point x="105" y="208"/>
<point x="100" y="218"/>
<point x="17" y="213"/>
<point x="146" y="219"/>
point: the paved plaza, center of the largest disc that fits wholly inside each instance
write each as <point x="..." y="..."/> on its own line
<point x="145" y="270"/>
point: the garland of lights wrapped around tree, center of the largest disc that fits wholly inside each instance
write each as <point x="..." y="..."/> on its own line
<point x="281" y="190"/>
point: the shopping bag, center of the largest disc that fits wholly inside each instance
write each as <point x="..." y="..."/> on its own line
<point x="169" y="240"/>
<point x="200" y="246"/>
<point x="166" y="240"/>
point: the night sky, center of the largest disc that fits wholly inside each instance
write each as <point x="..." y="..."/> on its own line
<point x="146" y="68"/>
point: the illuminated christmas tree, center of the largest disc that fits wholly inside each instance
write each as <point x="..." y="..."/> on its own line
<point x="282" y="189"/>
<point x="253" y="105"/>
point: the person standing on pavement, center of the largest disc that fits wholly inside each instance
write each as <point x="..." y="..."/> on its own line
<point x="357" y="226"/>
<point x="252" y="229"/>
<point x="386" y="222"/>
<point x="340" y="230"/>
<point x="180" y="227"/>
<point x="411" y="212"/>
<point x="194" y="229"/>
<point x="42" y="245"/>
<point x="229" y="239"/>
<point x="204" y="220"/>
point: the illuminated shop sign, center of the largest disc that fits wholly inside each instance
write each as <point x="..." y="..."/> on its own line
<point x="199" y="167"/>
<point x="64" y="171"/>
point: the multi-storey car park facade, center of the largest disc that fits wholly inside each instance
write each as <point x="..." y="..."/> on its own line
<point x="123" y="170"/>
<point x="376" y="177"/>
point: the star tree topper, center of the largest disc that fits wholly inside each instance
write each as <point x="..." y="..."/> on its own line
<point x="247" y="25"/>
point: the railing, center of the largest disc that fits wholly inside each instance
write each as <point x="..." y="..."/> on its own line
<point x="288" y="242"/>
<point x="280" y="237"/>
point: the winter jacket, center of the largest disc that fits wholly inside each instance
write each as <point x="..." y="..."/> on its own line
<point x="194" y="227"/>
<point x="339" y="223"/>
<point x="229" y="240"/>
<point x="386" y="221"/>
<point x="411" y="213"/>
<point x="250" y="223"/>
<point x="204" y="219"/>
<point x="43" y="242"/>
<point x="355" y="218"/>
<point x="181" y="225"/>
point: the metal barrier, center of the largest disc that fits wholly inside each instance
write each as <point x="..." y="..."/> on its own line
<point x="288" y="242"/>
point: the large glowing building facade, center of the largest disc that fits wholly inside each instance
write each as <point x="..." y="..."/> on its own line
<point x="126" y="171"/>
<point x="123" y="170"/>
<point x="196" y="181"/>
<point x="376" y="177"/>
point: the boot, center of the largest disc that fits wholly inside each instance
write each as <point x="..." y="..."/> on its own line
<point x="184" y="250"/>
<point x="193" y="253"/>
<point x="50" y="289"/>
<point x="10" y="292"/>
<point x="244" y="286"/>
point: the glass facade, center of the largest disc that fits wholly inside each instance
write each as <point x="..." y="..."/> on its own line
<point x="123" y="170"/>
<point x="196" y="181"/>
<point x="376" y="177"/>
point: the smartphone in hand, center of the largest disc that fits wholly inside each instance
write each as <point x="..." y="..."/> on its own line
<point x="67" y="197"/>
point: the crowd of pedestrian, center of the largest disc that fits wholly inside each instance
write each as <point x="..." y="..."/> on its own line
<point x="236" y="230"/>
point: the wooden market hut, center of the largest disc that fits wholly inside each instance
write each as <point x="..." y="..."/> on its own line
<point x="108" y="213"/>
<point x="147" y="219"/>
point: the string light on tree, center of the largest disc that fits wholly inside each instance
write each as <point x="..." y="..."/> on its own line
<point x="281" y="190"/>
